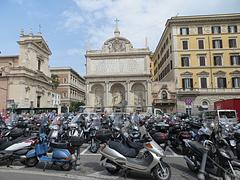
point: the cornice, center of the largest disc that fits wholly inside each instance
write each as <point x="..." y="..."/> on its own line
<point x="118" y="54"/>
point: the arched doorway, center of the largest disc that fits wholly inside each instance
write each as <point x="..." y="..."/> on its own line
<point x="98" y="91"/>
<point x="138" y="90"/>
<point x="118" y="97"/>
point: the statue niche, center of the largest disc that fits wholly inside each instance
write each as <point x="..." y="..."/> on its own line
<point x="118" y="94"/>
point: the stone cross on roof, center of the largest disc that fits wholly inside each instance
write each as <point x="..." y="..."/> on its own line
<point x="116" y="32"/>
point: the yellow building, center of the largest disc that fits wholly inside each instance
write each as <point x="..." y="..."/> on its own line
<point x="197" y="62"/>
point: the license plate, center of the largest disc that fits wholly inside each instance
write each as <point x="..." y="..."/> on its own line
<point x="232" y="142"/>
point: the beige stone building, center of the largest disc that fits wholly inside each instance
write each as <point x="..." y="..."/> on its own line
<point x="197" y="62"/>
<point x="25" y="78"/>
<point x="71" y="87"/>
<point x="118" y="77"/>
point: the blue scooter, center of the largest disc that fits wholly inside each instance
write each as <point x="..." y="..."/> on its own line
<point x="61" y="156"/>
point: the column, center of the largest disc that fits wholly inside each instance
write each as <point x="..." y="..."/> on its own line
<point x="107" y="97"/>
<point x="128" y="108"/>
<point x="149" y="95"/>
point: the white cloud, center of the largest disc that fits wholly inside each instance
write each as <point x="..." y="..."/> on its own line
<point x="73" y="20"/>
<point x="75" y="52"/>
<point x="138" y="18"/>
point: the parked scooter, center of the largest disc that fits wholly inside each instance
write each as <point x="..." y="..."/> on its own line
<point x="147" y="160"/>
<point x="60" y="156"/>
<point x="16" y="150"/>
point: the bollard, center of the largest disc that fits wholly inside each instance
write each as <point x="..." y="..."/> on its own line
<point x="77" y="163"/>
<point x="201" y="173"/>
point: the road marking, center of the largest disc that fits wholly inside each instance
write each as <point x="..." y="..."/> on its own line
<point x="85" y="150"/>
<point x="102" y="175"/>
<point x="12" y="167"/>
<point x="41" y="173"/>
<point x="91" y="154"/>
<point x="176" y="156"/>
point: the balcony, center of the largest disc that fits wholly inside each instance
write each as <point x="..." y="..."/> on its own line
<point x="164" y="101"/>
<point x="197" y="91"/>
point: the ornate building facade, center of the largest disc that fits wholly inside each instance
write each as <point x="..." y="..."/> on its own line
<point x="118" y="77"/>
<point x="71" y="86"/>
<point x="198" y="61"/>
<point x="25" y="78"/>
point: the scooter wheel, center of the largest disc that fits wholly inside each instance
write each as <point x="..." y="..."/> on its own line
<point x="226" y="176"/>
<point x="31" y="162"/>
<point x="66" y="166"/>
<point x="112" y="170"/>
<point x="160" y="174"/>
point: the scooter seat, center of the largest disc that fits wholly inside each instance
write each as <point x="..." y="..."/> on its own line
<point x="60" y="145"/>
<point x="123" y="149"/>
<point x="197" y="146"/>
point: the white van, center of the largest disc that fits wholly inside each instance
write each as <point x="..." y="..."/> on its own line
<point x="223" y="115"/>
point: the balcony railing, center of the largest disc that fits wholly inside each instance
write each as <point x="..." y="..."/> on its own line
<point x="164" y="101"/>
<point x="208" y="90"/>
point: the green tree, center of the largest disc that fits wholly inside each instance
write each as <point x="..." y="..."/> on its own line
<point x="74" y="106"/>
<point x="55" y="81"/>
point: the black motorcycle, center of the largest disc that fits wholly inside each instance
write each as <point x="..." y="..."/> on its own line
<point x="212" y="159"/>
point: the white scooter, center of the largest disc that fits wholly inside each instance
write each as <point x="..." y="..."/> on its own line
<point x="148" y="160"/>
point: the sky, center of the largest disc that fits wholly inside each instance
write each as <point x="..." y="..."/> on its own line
<point x="70" y="27"/>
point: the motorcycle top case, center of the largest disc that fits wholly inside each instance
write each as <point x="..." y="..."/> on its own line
<point x="103" y="135"/>
<point x="76" y="141"/>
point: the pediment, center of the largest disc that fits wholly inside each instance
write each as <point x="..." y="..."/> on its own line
<point x="187" y="73"/>
<point x="43" y="78"/>
<point x="236" y="72"/>
<point x="43" y="46"/>
<point x="219" y="73"/>
<point x="203" y="73"/>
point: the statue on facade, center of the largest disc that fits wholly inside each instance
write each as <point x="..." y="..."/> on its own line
<point x="117" y="98"/>
<point x="98" y="101"/>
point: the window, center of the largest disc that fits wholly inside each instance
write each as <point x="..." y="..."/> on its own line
<point x="232" y="29"/>
<point x="221" y="82"/>
<point x="185" y="61"/>
<point x="200" y="44"/>
<point x="39" y="64"/>
<point x="200" y="30"/>
<point x="203" y="81"/>
<point x="232" y="43"/>
<point x="185" y="44"/>
<point x="38" y="101"/>
<point x="217" y="43"/>
<point x="187" y="83"/>
<point x="205" y="105"/>
<point x="216" y="29"/>
<point x="217" y="60"/>
<point x="189" y="111"/>
<point x="202" y="61"/>
<point x="171" y="65"/>
<point x="236" y="82"/>
<point x="64" y="80"/>
<point x="184" y="31"/>
<point x="235" y="60"/>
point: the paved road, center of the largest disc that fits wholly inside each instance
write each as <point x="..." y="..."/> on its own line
<point x="91" y="170"/>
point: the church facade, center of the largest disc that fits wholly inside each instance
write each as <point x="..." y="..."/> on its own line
<point x="25" y="79"/>
<point x="118" y="77"/>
